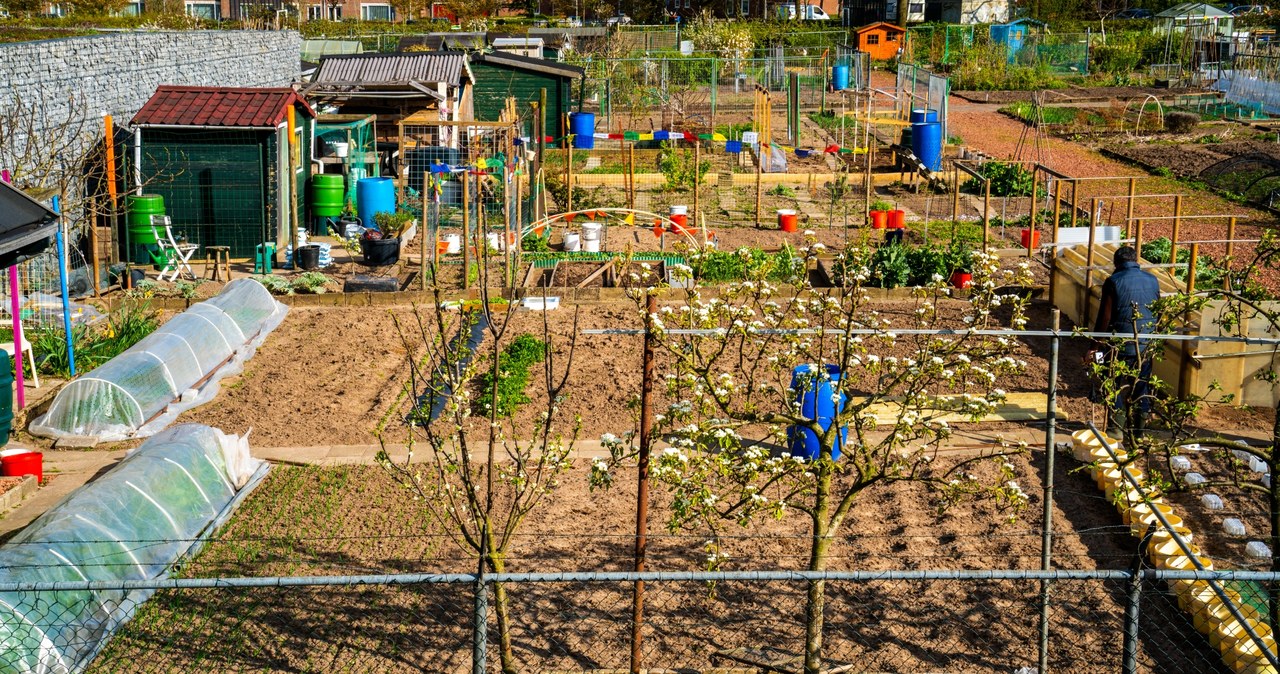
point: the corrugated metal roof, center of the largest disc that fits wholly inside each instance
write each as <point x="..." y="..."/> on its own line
<point x="529" y="63"/>
<point x="423" y="67"/>
<point x="218" y="106"/>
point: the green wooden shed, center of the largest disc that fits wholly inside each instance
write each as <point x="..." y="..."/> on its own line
<point x="500" y="76"/>
<point x="220" y="159"/>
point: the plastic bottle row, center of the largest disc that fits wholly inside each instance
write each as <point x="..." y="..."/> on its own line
<point x="1142" y="506"/>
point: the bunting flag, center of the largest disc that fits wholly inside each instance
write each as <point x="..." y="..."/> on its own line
<point x="657" y="228"/>
<point x="630" y="219"/>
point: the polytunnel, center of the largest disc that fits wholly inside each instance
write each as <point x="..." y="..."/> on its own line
<point x="175" y="368"/>
<point x="134" y="523"/>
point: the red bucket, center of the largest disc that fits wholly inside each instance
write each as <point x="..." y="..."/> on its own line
<point x="897" y="219"/>
<point x="878" y="219"/>
<point x="961" y="279"/>
<point x="1030" y="238"/>
<point x="679" y="222"/>
<point x="25" y="463"/>
<point x="788" y="220"/>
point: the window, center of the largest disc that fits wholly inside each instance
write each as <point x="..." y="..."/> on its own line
<point x="746" y="8"/>
<point x="317" y="12"/>
<point x="916" y="8"/>
<point x="891" y="37"/>
<point x="203" y="10"/>
<point x="873" y="38"/>
<point x="376" y="12"/>
<point x="688" y="4"/>
<point x="131" y="9"/>
<point x="56" y="10"/>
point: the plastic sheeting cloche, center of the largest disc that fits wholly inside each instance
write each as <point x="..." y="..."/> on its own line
<point x="133" y="523"/>
<point x="175" y="368"/>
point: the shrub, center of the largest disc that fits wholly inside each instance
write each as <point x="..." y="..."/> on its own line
<point x="1007" y="180"/>
<point x="1181" y="122"/>
<point x="94" y="344"/>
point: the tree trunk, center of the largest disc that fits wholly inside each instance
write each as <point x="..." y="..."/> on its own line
<point x="817" y="597"/>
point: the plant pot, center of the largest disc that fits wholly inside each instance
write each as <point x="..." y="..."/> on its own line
<point x="380" y="252"/>
<point x="308" y="257"/>
<point x="1030" y="238"/>
<point x="879" y="219"/>
<point x="897" y="219"/>
<point x="788" y="220"/>
<point x="961" y="279"/>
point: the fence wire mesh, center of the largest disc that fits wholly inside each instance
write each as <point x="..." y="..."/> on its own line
<point x="972" y="621"/>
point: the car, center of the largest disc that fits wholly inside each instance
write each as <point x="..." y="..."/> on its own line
<point x="806" y="13"/>
<point x="1242" y="10"/>
<point x="1134" y="14"/>
<point x="619" y="20"/>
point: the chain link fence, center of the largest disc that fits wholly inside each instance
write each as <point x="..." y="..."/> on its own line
<point x="972" y="621"/>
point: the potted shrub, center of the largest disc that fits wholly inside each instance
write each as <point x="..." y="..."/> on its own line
<point x="381" y="247"/>
<point x="880" y="214"/>
<point x="960" y="261"/>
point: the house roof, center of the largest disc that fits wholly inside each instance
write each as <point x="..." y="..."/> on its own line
<point x="26" y="226"/>
<point x="881" y="24"/>
<point x="240" y="107"/>
<point x="1026" y="21"/>
<point x="530" y="64"/>
<point x="1198" y="10"/>
<point x="523" y="42"/>
<point x="401" y="69"/>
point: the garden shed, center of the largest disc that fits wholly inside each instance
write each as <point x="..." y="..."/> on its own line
<point x="394" y="86"/>
<point x="500" y="76"/>
<point x="1196" y="15"/>
<point x="219" y="156"/>
<point x="1013" y="35"/>
<point x="881" y="39"/>
<point x="26" y="226"/>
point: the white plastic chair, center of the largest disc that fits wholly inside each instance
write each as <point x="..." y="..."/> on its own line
<point x="177" y="255"/>
<point x="30" y="358"/>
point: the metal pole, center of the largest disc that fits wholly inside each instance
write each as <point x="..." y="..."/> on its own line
<point x="1035" y="190"/>
<point x="466" y="229"/>
<point x="1132" y="609"/>
<point x="642" y="483"/>
<point x="697" y="180"/>
<point x="1088" y="256"/>
<point x="1046" y="540"/>
<point x="631" y="176"/>
<point x="480" y="633"/>
<point x="986" y="213"/>
<point x="955" y="194"/>
<point x="60" y="240"/>
<point x="568" y="174"/>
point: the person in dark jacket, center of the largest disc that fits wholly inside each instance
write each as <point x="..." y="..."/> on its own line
<point x="1126" y="309"/>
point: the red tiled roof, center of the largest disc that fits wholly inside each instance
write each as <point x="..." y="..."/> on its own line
<point x="218" y="106"/>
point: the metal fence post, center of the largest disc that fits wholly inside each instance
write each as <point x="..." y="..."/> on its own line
<point x="1132" y="609"/>
<point x="1046" y="544"/>
<point x="480" y="624"/>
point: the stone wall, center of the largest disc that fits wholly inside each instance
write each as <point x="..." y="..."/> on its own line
<point x="82" y="77"/>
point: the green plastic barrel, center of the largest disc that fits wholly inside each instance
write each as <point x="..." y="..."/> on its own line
<point x="140" y="208"/>
<point x="6" y="397"/>
<point x="327" y="195"/>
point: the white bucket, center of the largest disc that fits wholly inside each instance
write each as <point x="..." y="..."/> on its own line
<point x="302" y="237"/>
<point x="591" y="237"/>
<point x="341" y="149"/>
<point x="678" y="210"/>
<point x="493" y="240"/>
<point x="454" y="242"/>
<point x="572" y="242"/>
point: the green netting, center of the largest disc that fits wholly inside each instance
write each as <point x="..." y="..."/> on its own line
<point x="134" y="523"/>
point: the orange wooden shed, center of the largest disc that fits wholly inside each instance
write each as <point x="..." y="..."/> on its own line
<point x="881" y="39"/>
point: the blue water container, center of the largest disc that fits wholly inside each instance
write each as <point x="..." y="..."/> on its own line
<point x="374" y="195"/>
<point x="921" y="116"/>
<point x="814" y="395"/>
<point x="926" y="144"/>
<point x="839" y="77"/>
<point x="583" y="127"/>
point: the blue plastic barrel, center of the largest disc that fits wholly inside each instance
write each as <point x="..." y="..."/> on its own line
<point x="374" y="195"/>
<point x="921" y="116"/>
<point x="583" y="127"/>
<point x="839" y="77"/>
<point x="814" y="395"/>
<point x="926" y="144"/>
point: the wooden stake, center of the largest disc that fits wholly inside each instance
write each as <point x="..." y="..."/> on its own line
<point x="631" y="177"/>
<point x="1231" y="236"/>
<point x="955" y="194"/>
<point x="1133" y="196"/>
<point x="568" y="175"/>
<point x="1137" y="237"/>
<point x="93" y="242"/>
<point x="1191" y="269"/>
<point x="986" y="213"/>
<point x="1177" y="227"/>
<point x="1075" y="201"/>
<point x="1035" y="209"/>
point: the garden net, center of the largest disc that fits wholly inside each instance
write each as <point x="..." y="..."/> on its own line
<point x="133" y="523"/>
<point x="173" y="369"/>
